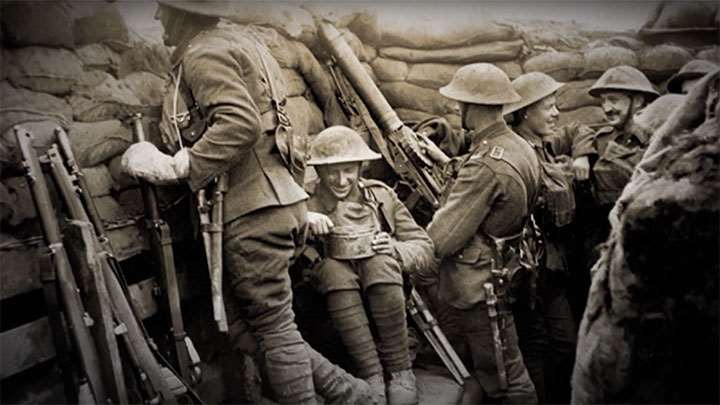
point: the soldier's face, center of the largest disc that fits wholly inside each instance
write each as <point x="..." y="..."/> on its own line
<point x="617" y="107"/>
<point x="339" y="178"/>
<point x="542" y="116"/>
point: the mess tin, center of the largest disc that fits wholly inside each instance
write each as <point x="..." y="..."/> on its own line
<point x="350" y="242"/>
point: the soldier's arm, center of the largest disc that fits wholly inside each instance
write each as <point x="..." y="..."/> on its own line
<point x="470" y="201"/>
<point x="216" y="80"/>
<point x="414" y="247"/>
<point x="574" y="140"/>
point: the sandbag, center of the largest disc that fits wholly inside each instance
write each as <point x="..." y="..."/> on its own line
<point x="549" y="35"/>
<point x="420" y="27"/>
<point x="388" y="70"/>
<point x="408" y="115"/>
<point x="41" y="126"/>
<point x="27" y="23"/>
<point x="512" y="69"/>
<point x="97" y="142"/>
<point x="662" y="61"/>
<point x="148" y="87"/>
<point x="562" y="66"/>
<point x="97" y="22"/>
<point x="574" y="95"/>
<point x="406" y="95"/>
<point x="21" y="105"/>
<point x="598" y="60"/>
<point x="305" y="117"/>
<point x="145" y="57"/>
<point x="110" y="99"/>
<point x="368" y="53"/>
<point x="592" y="116"/>
<point x="98" y="57"/>
<point x="621" y="41"/>
<point x="290" y="20"/>
<point x="296" y="85"/>
<point x="47" y="70"/>
<point x="89" y="79"/>
<point x="712" y="54"/>
<point x="490" y="52"/>
<point x="431" y="75"/>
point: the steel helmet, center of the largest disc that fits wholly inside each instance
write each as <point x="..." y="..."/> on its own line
<point x="532" y="87"/>
<point x="694" y="69"/>
<point x="623" y="78"/>
<point x="480" y="83"/>
<point x="339" y="144"/>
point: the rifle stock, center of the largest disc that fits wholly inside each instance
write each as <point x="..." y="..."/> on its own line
<point x="77" y="318"/>
<point x="161" y="241"/>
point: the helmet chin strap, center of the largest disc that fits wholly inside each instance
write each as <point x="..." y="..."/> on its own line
<point x="634" y="107"/>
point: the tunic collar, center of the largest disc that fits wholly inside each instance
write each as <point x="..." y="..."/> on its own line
<point x="487" y="134"/>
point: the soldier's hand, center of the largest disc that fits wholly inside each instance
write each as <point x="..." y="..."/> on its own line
<point x="581" y="167"/>
<point x="320" y="224"/>
<point x="432" y="150"/>
<point x="383" y="244"/>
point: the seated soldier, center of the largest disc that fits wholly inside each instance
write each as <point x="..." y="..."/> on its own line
<point x="369" y="239"/>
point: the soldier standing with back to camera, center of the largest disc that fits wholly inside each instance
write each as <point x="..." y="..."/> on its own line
<point x="228" y="79"/>
<point x="477" y="235"/>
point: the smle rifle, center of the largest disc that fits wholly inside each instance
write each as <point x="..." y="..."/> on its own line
<point x="79" y="321"/>
<point x="161" y="243"/>
<point x="429" y="327"/>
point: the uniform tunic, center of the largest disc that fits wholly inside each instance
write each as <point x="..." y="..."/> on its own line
<point x="265" y="212"/>
<point x="414" y="249"/>
<point x="493" y="196"/>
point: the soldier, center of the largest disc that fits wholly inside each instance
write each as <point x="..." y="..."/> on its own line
<point x="623" y="91"/>
<point x="684" y="80"/>
<point x="545" y="326"/>
<point x="477" y="236"/>
<point x="228" y="90"/>
<point x="369" y="238"/>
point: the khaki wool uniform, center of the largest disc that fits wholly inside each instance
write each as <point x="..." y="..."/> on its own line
<point x="493" y="197"/>
<point x="265" y="210"/>
<point x="372" y="204"/>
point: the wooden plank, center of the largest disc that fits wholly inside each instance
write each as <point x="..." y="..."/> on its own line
<point x="19" y="271"/>
<point x="25" y="346"/>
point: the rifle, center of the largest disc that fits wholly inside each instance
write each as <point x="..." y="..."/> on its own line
<point x="161" y="241"/>
<point x="153" y="378"/>
<point x="78" y="319"/>
<point x="403" y="151"/>
<point x="431" y="330"/>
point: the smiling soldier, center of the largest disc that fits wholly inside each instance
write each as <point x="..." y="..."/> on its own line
<point x="369" y="238"/>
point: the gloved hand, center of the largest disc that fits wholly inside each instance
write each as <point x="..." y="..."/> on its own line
<point x="145" y="161"/>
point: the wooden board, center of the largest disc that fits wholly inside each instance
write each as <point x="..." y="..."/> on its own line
<point x="25" y="346"/>
<point x="19" y="271"/>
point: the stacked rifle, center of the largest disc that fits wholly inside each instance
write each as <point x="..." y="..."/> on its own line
<point x="117" y="362"/>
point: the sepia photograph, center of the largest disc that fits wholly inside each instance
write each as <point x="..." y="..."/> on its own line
<point x="402" y="202"/>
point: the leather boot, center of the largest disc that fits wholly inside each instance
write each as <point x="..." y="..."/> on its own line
<point x="377" y="387"/>
<point x="335" y="385"/>
<point x="402" y="388"/>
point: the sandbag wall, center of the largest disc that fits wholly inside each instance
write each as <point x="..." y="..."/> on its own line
<point x="410" y="62"/>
